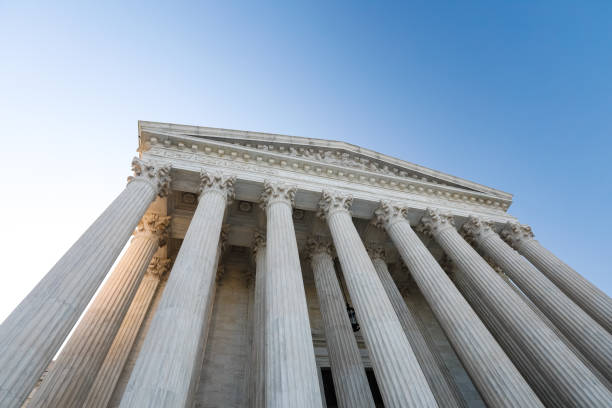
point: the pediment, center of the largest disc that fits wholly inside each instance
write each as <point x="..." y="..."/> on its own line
<point x="326" y="152"/>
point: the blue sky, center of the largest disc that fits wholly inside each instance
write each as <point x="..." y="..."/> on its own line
<point x="515" y="95"/>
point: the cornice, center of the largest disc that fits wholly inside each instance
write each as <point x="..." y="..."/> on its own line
<point x="171" y="146"/>
<point x="146" y="129"/>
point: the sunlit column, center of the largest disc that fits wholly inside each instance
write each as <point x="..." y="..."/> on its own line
<point x="572" y="379"/>
<point x="586" y="295"/>
<point x="114" y="362"/>
<point x="438" y="377"/>
<point x="32" y="334"/>
<point x="496" y="378"/>
<point x="399" y="376"/>
<point x="168" y="364"/>
<point x="588" y="336"/>
<point x="348" y="373"/>
<point x="291" y="371"/>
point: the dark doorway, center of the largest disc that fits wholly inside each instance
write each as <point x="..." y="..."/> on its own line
<point x="330" y="395"/>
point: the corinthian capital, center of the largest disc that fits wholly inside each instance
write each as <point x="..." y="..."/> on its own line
<point x="388" y="214"/>
<point x="317" y="245"/>
<point x="333" y="201"/>
<point x="513" y="233"/>
<point x="259" y="242"/>
<point x="154" y="226"/>
<point x="476" y="229"/>
<point x="277" y="192"/>
<point x="158" y="266"/>
<point x="218" y="183"/>
<point x="157" y="175"/>
<point x="376" y="252"/>
<point x="434" y="222"/>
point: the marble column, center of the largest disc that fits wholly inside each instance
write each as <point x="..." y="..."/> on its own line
<point x="348" y="373"/>
<point x="586" y="295"/>
<point x="497" y="380"/>
<point x="570" y="377"/>
<point x="258" y="371"/>
<point x="32" y="334"/>
<point x="538" y="382"/>
<point x="399" y="376"/>
<point x="74" y="371"/>
<point x="438" y="377"/>
<point x="291" y="371"/>
<point x="593" y="341"/>
<point x="114" y="362"/>
<point x="169" y="362"/>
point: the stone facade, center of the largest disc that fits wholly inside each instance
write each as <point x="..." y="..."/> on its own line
<point x="279" y="271"/>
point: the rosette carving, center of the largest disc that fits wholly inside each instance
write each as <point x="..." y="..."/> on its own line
<point x="388" y="214"/>
<point x="217" y="182"/>
<point x="333" y="201"/>
<point x="154" y="225"/>
<point x="476" y="229"/>
<point x="433" y="221"/>
<point x="277" y="192"/>
<point x="158" y="266"/>
<point x="157" y="175"/>
<point x="513" y="233"/>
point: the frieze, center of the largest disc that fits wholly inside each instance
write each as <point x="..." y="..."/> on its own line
<point x="262" y="164"/>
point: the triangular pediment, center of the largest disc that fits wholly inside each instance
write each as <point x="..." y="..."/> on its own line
<point x="326" y="152"/>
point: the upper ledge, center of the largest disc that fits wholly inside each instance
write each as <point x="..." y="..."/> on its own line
<point x="234" y="136"/>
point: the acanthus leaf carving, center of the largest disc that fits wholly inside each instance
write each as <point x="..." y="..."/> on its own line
<point x="157" y="175"/>
<point x="317" y="245"/>
<point x="155" y="226"/>
<point x="513" y="233"/>
<point x="275" y="192"/>
<point x="434" y="221"/>
<point x="388" y="214"/>
<point x="333" y="201"/>
<point x="158" y="266"/>
<point x="476" y="229"/>
<point x="217" y="182"/>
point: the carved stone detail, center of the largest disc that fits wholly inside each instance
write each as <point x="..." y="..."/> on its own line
<point x="153" y="224"/>
<point x="514" y="232"/>
<point x="434" y="222"/>
<point x="376" y="252"/>
<point x="318" y="245"/>
<point x="333" y="201"/>
<point x="277" y="192"/>
<point x="259" y="242"/>
<point x="217" y="182"/>
<point x="159" y="266"/>
<point x="389" y="213"/>
<point x="158" y="175"/>
<point x="476" y="229"/>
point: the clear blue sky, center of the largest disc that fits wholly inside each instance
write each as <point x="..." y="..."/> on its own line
<point x="516" y="96"/>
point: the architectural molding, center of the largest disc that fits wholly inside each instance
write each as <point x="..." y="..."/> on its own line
<point x="155" y="174"/>
<point x="333" y="201"/>
<point x="277" y="192"/>
<point x="435" y="221"/>
<point x="513" y="233"/>
<point x="217" y="182"/>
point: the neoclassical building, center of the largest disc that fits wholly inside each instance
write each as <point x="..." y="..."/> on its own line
<point x="276" y="271"/>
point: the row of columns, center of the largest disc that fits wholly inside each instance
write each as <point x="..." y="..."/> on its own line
<point x="285" y="374"/>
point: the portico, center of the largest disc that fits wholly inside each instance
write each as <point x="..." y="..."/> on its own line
<point x="290" y="222"/>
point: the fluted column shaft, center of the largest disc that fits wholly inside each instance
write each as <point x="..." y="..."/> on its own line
<point x="438" y="377"/>
<point x="586" y="295"/>
<point x="114" y="362"/>
<point x="291" y="371"/>
<point x="32" y="334"/>
<point x="593" y="341"/>
<point x="534" y="377"/>
<point x="350" y="381"/>
<point x="572" y="379"/>
<point x="258" y="372"/>
<point x="69" y="380"/>
<point x="496" y="378"/>
<point x="170" y="359"/>
<point x="399" y="377"/>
